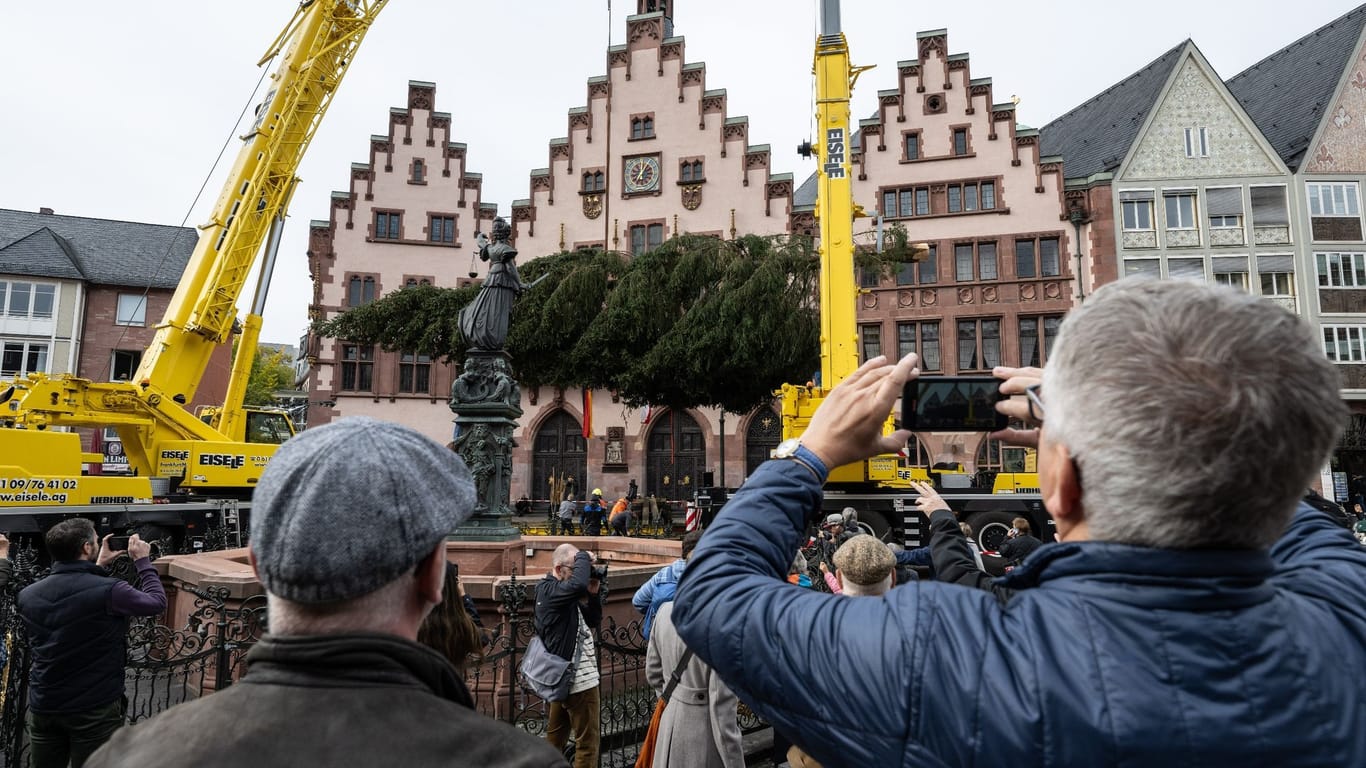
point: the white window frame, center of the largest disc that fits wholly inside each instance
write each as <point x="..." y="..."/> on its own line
<point x="34" y="289"/>
<point x="1340" y="269"/>
<point x="1190" y="195"/>
<point x="1124" y="215"/>
<point x="26" y="349"/>
<point x="1348" y="207"/>
<point x="1345" y="343"/>
<point x="131" y="309"/>
<point x="1287" y="291"/>
<point x="1222" y="222"/>
<point x="1197" y="142"/>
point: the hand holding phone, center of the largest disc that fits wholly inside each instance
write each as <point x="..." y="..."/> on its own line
<point x="952" y="404"/>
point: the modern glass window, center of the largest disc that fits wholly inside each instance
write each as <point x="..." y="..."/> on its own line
<point x="414" y="373"/>
<point x="1343" y="343"/>
<point x="1197" y="142"/>
<point x="1341" y="270"/>
<point x="358" y="365"/>
<point x="1144" y="267"/>
<point x="1276" y="274"/>
<point x="1186" y="269"/>
<point x="1333" y="200"/>
<point x="441" y="229"/>
<point x="960" y="141"/>
<point x="1138" y="214"/>
<point x="912" y="146"/>
<point x="871" y="341"/>
<point x="360" y="290"/>
<point x="388" y="226"/>
<point x="132" y="309"/>
<point x="1268" y="207"/>
<point x="1225" y="207"/>
<point x="1230" y="271"/>
<point x="21" y="298"/>
<point x="1180" y="210"/>
<point x="124" y="364"/>
<point x="20" y="358"/>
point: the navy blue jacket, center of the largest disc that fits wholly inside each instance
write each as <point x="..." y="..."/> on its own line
<point x="1107" y="654"/>
<point x="78" y="642"/>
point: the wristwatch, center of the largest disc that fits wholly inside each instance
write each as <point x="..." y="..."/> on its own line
<point x="792" y="449"/>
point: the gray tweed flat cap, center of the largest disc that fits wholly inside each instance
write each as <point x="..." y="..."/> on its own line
<point x="346" y="508"/>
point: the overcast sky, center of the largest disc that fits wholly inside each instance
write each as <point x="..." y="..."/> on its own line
<point x="117" y="110"/>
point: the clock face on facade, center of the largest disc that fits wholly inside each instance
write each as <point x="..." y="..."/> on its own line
<point x="642" y="174"/>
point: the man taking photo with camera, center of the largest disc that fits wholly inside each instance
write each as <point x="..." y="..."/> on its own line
<point x="1193" y="612"/>
<point x="567" y="616"/>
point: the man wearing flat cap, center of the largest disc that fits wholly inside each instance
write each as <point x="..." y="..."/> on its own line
<point x="349" y="526"/>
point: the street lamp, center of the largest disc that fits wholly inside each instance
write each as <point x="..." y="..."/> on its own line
<point x="1077" y="215"/>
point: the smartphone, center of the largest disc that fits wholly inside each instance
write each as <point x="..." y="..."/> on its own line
<point x="117" y="543"/>
<point x="952" y="404"/>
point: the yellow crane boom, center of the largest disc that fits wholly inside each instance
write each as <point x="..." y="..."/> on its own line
<point x="161" y="437"/>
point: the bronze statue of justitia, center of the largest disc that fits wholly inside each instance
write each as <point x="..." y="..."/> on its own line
<point x="484" y="321"/>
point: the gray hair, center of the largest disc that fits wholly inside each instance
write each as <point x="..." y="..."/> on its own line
<point x="1197" y="415"/>
<point x="854" y="589"/>
<point x="564" y="554"/>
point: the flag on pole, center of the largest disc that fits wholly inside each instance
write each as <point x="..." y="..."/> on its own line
<point x="587" y="413"/>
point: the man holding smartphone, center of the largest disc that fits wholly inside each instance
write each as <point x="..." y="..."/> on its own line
<point x="1192" y="612"/>
<point x="77" y="618"/>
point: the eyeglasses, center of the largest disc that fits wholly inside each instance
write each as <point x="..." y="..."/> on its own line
<point x="1036" y="409"/>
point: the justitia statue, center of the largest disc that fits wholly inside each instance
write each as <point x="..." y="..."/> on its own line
<point x="484" y="322"/>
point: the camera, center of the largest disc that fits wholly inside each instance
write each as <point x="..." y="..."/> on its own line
<point x="952" y="404"/>
<point x="599" y="572"/>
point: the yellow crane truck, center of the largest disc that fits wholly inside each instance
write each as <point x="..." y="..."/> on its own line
<point x="879" y="488"/>
<point x="197" y="465"/>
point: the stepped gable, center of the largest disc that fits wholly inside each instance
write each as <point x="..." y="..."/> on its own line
<point x="650" y="79"/>
<point x="103" y="251"/>
<point x="1095" y="136"/>
<point x="1287" y="93"/>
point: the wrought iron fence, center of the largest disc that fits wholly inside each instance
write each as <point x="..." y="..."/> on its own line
<point x="168" y="665"/>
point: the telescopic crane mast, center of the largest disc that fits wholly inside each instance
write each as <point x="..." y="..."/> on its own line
<point x="161" y="437"/>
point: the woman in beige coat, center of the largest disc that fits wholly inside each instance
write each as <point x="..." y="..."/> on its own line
<point x="698" y="728"/>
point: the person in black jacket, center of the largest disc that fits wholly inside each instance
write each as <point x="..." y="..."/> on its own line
<point x="949" y="549"/>
<point x="76" y="619"/>
<point x="567" y="616"/>
<point x="1019" y="543"/>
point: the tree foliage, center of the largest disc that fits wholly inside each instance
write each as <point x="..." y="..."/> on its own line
<point x="271" y="371"/>
<point x="698" y="321"/>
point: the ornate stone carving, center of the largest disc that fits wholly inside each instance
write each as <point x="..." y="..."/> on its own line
<point x="420" y="98"/>
<point x="989" y="294"/>
<point x="958" y="64"/>
<point x="642" y="29"/>
<point x="592" y="206"/>
<point x="579" y="120"/>
<point x="690" y="196"/>
<point x="736" y="131"/>
<point x="486" y="378"/>
<point x="381" y="146"/>
<point x="754" y="160"/>
<point x="559" y="152"/>
<point x="713" y="104"/>
<point x="540" y="183"/>
<point x="936" y="43"/>
<point x="521" y="213"/>
<point x="1029" y="292"/>
<point x="966" y="296"/>
<point x="671" y="51"/>
<point x="777" y="189"/>
<point x="803" y="223"/>
<point x="466" y="183"/>
<point x="981" y="90"/>
<point x="691" y="77"/>
<point x="1183" y="238"/>
<point x="905" y="298"/>
<point x="928" y="297"/>
<point x="868" y="299"/>
<point x="1052" y="290"/>
<point x="453" y="152"/>
<point x="619" y="58"/>
<point x="597" y="90"/>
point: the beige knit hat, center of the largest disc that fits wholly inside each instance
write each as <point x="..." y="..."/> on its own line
<point x="864" y="560"/>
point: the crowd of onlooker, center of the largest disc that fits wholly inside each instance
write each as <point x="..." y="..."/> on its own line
<point x="1196" y="607"/>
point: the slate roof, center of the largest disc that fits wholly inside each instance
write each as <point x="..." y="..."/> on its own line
<point x="41" y="254"/>
<point x="1287" y="93"/>
<point x="1096" y="136"/>
<point x="806" y="193"/>
<point x="102" y="251"/>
